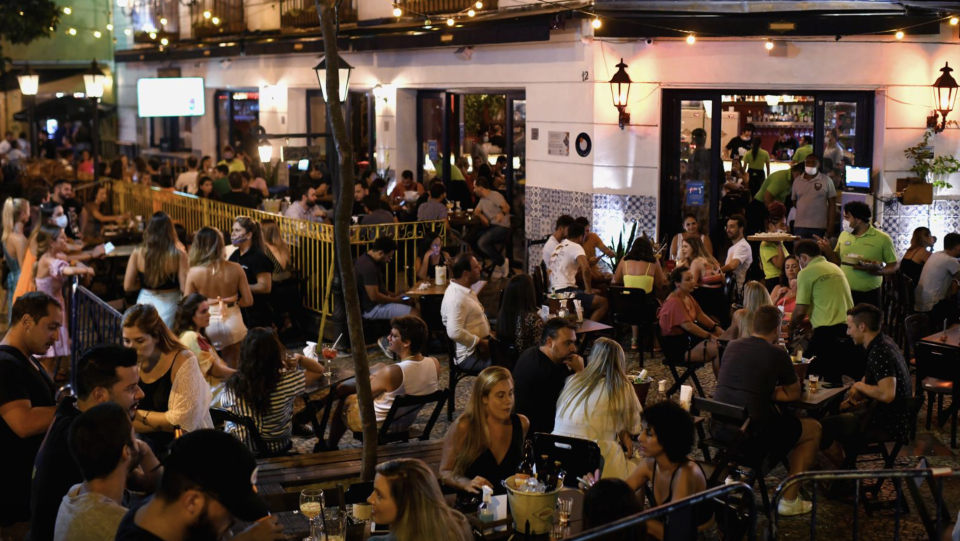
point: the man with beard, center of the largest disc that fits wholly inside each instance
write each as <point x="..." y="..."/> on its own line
<point x="541" y="373"/>
<point x="304" y="206"/>
<point x="207" y="483"/>
<point x="63" y="195"/>
<point x="104" y="373"/>
<point x="27" y="402"/>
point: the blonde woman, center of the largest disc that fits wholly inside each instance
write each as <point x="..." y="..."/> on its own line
<point x="754" y="296"/>
<point x="225" y="284"/>
<point x="158" y="268"/>
<point x="174" y="391"/>
<point x="485" y="444"/>
<point x="284" y="295"/>
<point x="406" y="497"/>
<point x="707" y="277"/>
<point x="599" y="404"/>
<point x="16" y="213"/>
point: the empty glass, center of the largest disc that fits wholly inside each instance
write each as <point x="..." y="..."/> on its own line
<point x="334" y="524"/>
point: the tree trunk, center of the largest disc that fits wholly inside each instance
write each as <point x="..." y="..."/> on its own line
<point x="343" y="186"/>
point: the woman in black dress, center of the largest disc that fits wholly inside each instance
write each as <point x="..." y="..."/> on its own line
<point x="485" y="445"/>
<point x="916" y="256"/>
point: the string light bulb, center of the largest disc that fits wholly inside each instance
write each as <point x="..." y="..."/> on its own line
<point x="899" y="34"/>
<point x="164" y="41"/>
<point x="153" y="35"/>
<point x="471" y="13"/>
<point x="207" y="14"/>
<point x="397" y="12"/>
<point x="109" y="27"/>
<point x="479" y="5"/>
<point x="215" y="20"/>
<point x="163" y="21"/>
<point x="954" y="21"/>
<point x="127" y="32"/>
<point x="427" y="23"/>
<point x="67" y="10"/>
<point x="768" y="45"/>
<point x="450" y="21"/>
<point x="72" y="31"/>
<point x="691" y="39"/>
<point x="596" y="22"/>
<point x="97" y="34"/>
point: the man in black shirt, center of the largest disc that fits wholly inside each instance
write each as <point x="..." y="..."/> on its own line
<point x="63" y="196"/>
<point x="26" y="401"/>
<point x="739" y="145"/>
<point x="884" y="390"/>
<point x="207" y="483"/>
<point x="104" y="373"/>
<point x="755" y="373"/>
<point x="237" y="195"/>
<point x="541" y="372"/>
<point x="375" y="302"/>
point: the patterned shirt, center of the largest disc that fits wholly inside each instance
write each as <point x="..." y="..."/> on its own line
<point x="276" y="424"/>
<point x="885" y="360"/>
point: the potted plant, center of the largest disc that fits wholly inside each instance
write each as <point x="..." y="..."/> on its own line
<point x="641" y="386"/>
<point x="620" y="247"/>
<point x="930" y="169"/>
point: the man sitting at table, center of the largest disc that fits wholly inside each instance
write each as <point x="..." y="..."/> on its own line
<point x="541" y="373"/>
<point x="936" y="293"/>
<point x="375" y="212"/>
<point x="464" y="317"/>
<point x="559" y="235"/>
<point x="375" y="302"/>
<point x="413" y="375"/>
<point x="237" y="196"/>
<point x="304" y="206"/>
<point x="434" y="208"/>
<point x="824" y="295"/>
<point x="494" y="215"/>
<point x="755" y="374"/>
<point x="568" y="258"/>
<point x="880" y="397"/>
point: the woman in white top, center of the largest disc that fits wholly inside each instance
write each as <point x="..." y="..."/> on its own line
<point x="190" y="323"/>
<point x="599" y="404"/>
<point x="691" y="228"/>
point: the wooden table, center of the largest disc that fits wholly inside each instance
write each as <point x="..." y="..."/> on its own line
<point x="819" y="403"/>
<point x="952" y="341"/>
<point x="948" y="368"/>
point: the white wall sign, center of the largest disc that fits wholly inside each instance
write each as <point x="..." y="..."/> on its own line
<point x="558" y="143"/>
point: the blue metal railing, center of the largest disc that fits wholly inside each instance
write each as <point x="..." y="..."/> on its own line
<point x="92" y="322"/>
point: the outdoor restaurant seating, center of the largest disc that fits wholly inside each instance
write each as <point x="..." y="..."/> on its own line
<point x="403" y="412"/>
<point x="935" y="367"/>
<point x="676" y="355"/>
<point x="221" y="416"/>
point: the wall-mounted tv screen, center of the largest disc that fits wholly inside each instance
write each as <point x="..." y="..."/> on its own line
<point x="175" y="96"/>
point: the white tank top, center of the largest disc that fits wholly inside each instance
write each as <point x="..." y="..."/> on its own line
<point x="419" y="378"/>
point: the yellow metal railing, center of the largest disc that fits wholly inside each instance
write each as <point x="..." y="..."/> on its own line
<point x="311" y="244"/>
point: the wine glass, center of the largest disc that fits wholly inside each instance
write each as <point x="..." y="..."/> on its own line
<point x="311" y="505"/>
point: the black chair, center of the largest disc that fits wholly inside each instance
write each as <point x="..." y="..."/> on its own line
<point x="539" y="289"/>
<point x="404" y="410"/>
<point x="457" y="374"/>
<point x="430" y="313"/>
<point x="260" y="449"/>
<point x="631" y="306"/>
<point x="577" y="456"/>
<point x="915" y="328"/>
<point x="676" y="354"/>
<point x="938" y="368"/>
<point x="505" y="353"/>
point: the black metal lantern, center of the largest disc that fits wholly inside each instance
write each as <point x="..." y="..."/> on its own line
<point x="944" y="98"/>
<point x="620" y="89"/>
<point x="344" y="70"/>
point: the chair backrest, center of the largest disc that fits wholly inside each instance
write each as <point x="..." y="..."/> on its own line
<point x="221" y="416"/>
<point x="405" y="409"/>
<point x="916" y="326"/>
<point x="504" y="353"/>
<point x="577" y="456"/>
<point x="539" y="290"/>
<point x="627" y="300"/>
<point x="935" y="361"/>
<point x="430" y="311"/>
<point x="726" y="414"/>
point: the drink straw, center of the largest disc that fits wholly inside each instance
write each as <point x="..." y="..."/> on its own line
<point x="337" y="342"/>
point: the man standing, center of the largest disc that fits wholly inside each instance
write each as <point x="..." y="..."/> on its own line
<point x="816" y="201"/>
<point x="755" y="374"/>
<point x="464" y="317"/>
<point x="558" y="236"/>
<point x="740" y="255"/>
<point x="823" y="294"/>
<point x="937" y="288"/>
<point x="104" y="373"/>
<point x="566" y="260"/>
<point x="541" y="372"/>
<point x="739" y="145"/>
<point x="885" y="384"/>
<point x="187" y="181"/>
<point x="870" y="244"/>
<point x="374" y="302"/>
<point x="207" y="484"/>
<point x="72" y="209"/>
<point x="806" y="149"/>
<point x="777" y="186"/>
<point x="494" y="214"/>
<point x="304" y="206"/>
<point x="783" y="144"/>
<point x="27" y="402"/>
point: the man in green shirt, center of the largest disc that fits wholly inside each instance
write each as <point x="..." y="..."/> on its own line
<point x="806" y="149"/>
<point x="824" y="295"/>
<point x="860" y="240"/>
<point x="776" y="187"/>
<point x="221" y="184"/>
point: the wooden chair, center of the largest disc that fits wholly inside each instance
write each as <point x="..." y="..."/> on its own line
<point x="631" y="306"/>
<point x="937" y="367"/>
<point x="404" y="410"/>
<point x="260" y="449"/>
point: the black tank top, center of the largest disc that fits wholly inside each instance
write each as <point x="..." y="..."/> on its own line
<point x="486" y="464"/>
<point x="911" y="268"/>
<point x="156" y="397"/>
<point x="702" y="514"/>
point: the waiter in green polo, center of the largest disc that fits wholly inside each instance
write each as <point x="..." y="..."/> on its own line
<point x="776" y="187"/>
<point x="859" y="238"/>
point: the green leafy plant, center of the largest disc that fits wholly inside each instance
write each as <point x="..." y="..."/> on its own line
<point x="941" y="167"/>
<point x="931" y="169"/>
<point x="619" y="247"/>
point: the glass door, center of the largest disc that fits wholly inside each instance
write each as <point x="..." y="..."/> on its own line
<point x="845" y="137"/>
<point x="431" y="136"/>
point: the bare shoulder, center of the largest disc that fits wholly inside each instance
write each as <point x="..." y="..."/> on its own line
<point x="524" y="423"/>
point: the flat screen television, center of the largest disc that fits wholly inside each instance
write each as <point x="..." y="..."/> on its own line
<point x="858" y="178"/>
<point x="174" y="96"/>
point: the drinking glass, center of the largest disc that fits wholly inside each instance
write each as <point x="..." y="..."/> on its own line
<point x="311" y="505"/>
<point x="328" y="352"/>
<point x="334" y="523"/>
<point x="814" y="382"/>
<point x="564" y="505"/>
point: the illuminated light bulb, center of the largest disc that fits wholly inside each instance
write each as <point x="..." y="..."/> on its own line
<point x="479" y="5"/>
<point x="97" y="34"/>
<point x="163" y="21"/>
<point x="691" y="39"/>
<point x="21" y="14"/>
<point x="954" y="21"/>
<point x="768" y="45"/>
<point x="427" y="23"/>
<point x="397" y="12"/>
<point x="127" y="32"/>
<point x="597" y="23"/>
<point x="450" y="22"/>
<point x="215" y="20"/>
<point x="164" y="41"/>
<point x="899" y="34"/>
<point x="109" y="28"/>
<point x="153" y="35"/>
<point x="67" y="11"/>
<point x="72" y="31"/>
<point x="471" y="13"/>
<point x="206" y="15"/>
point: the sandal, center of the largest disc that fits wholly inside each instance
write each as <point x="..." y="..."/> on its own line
<point x="634" y="344"/>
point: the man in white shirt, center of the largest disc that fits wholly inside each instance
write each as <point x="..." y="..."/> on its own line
<point x="559" y="234"/>
<point x="464" y="317"/>
<point x="7" y="143"/>
<point x="304" y="206"/>
<point x="494" y="214"/>
<point x="187" y="181"/>
<point x="568" y="258"/>
<point x="739" y="256"/>
<point x="937" y="288"/>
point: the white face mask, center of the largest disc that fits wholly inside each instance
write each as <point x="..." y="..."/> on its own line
<point x="810" y="170"/>
<point x="847" y="227"/>
<point x="60" y="221"/>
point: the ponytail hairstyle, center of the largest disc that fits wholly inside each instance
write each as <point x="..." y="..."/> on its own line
<point x="755" y="148"/>
<point x="253" y="227"/>
<point x="13" y="209"/>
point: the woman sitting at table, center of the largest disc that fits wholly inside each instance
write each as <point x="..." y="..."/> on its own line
<point x="681" y="316"/>
<point x="95" y="216"/>
<point x="599" y="404"/>
<point x="407" y="498"/>
<point x="519" y="322"/>
<point x="785" y="295"/>
<point x="666" y="473"/>
<point x="772" y="253"/>
<point x="917" y="254"/>
<point x="174" y="392"/>
<point x="691" y="230"/>
<point x="707" y="277"/>
<point x="640" y="269"/>
<point x="224" y="283"/>
<point x="264" y="388"/>
<point x="193" y="317"/>
<point x="158" y="268"/>
<point x="433" y="256"/>
<point x="754" y="296"/>
<point x="485" y="444"/>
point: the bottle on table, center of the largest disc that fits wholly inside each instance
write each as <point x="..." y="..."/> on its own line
<point x="525" y="468"/>
<point x="485" y="509"/>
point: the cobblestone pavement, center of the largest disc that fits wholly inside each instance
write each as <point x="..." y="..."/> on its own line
<point x="834" y="518"/>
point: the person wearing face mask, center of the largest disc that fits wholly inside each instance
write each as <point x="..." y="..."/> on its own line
<point x="248" y="239"/>
<point x="304" y="206"/>
<point x="860" y="239"/>
<point x="815" y="200"/>
<point x="740" y="145"/>
<point x="63" y="195"/>
<point x="772" y="254"/>
<point x="231" y="160"/>
<point x="823" y="294"/>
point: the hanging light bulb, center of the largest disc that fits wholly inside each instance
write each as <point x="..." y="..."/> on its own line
<point x="428" y="23"/>
<point x="127" y="32"/>
<point x="954" y="21"/>
<point x="450" y="21"/>
<point x="72" y="31"/>
<point x="768" y="45"/>
<point x="67" y="10"/>
<point x="207" y="15"/>
<point x="479" y="5"/>
<point x="691" y="39"/>
<point x="163" y="21"/>
<point x="597" y="23"/>
<point x="164" y="41"/>
<point x="471" y="13"/>
<point x="109" y="27"/>
<point x="97" y="34"/>
<point x="397" y="12"/>
<point x="153" y="35"/>
<point x="899" y="34"/>
<point x="215" y="20"/>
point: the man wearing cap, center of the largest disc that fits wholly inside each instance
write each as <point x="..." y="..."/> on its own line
<point x="207" y="484"/>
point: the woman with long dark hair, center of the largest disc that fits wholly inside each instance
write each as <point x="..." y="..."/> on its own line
<point x="917" y="254"/>
<point x="248" y="239"/>
<point x="189" y="325"/>
<point x="285" y="296"/>
<point x="640" y="269"/>
<point x="757" y="162"/>
<point x="519" y="321"/>
<point x="158" y="268"/>
<point x="433" y="255"/>
<point x="681" y="315"/>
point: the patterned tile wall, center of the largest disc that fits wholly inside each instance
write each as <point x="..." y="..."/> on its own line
<point x="608" y="213"/>
<point x="899" y="221"/>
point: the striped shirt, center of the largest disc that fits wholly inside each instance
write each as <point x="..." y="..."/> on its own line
<point x="276" y="425"/>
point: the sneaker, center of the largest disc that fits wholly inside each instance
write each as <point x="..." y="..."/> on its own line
<point x="385" y="346"/>
<point x="792" y="508"/>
